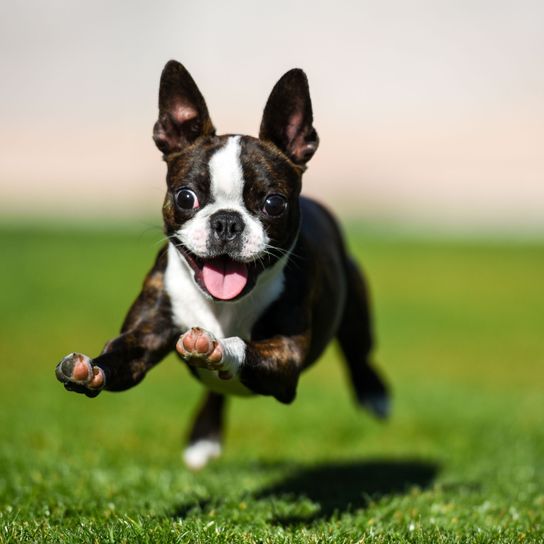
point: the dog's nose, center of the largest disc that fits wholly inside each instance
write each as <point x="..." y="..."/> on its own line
<point x="227" y="225"/>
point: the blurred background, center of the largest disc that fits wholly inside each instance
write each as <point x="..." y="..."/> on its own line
<point x="430" y="113"/>
<point x="431" y="117"/>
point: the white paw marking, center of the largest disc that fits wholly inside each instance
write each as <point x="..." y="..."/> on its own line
<point x="199" y="454"/>
<point x="234" y="354"/>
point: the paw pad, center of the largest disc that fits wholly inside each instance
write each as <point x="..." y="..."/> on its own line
<point x="200" y="348"/>
<point x="77" y="372"/>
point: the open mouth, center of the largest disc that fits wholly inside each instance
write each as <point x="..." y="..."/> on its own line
<point x="222" y="277"/>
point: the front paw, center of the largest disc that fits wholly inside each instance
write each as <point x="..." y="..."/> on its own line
<point x="200" y="348"/>
<point x="77" y="372"/>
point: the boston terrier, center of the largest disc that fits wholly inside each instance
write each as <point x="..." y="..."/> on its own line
<point x="254" y="280"/>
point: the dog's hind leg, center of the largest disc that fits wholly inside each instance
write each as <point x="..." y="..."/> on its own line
<point x="355" y="339"/>
<point x="205" y="438"/>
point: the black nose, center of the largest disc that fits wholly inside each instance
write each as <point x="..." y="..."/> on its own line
<point x="227" y="225"/>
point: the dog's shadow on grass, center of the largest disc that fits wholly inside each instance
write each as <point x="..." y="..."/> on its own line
<point x="340" y="487"/>
<point x="331" y="488"/>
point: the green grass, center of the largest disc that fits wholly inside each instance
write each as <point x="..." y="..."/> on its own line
<point x="460" y="327"/>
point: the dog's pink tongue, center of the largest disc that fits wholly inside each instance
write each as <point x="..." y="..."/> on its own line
<point x="224" y="278"/>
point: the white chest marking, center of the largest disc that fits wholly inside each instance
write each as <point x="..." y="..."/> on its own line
<point x="192" y="308"/>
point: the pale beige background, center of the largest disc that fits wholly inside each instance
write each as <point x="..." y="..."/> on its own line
<point x="430" y="113"/>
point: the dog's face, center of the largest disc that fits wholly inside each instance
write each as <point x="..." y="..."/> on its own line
<point x="231" y="206"/>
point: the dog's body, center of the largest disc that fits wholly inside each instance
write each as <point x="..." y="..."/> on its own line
<point x="255" y="280"/>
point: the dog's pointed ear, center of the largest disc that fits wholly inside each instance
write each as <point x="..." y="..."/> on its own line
<point x="287" y="118"/>
<point x="183" y="115"/>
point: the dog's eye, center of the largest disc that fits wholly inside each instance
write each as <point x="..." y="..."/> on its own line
<point x="274" y="205"/>
<point x="187" y="199"/>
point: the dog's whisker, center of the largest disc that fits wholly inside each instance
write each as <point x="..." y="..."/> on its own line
<point x="284" y="251"/>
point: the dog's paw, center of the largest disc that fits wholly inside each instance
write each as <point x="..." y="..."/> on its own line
<point x="77" y="372"/>
<point x="200" y="348"/>
<point x="198" y="454"/>
<point x="378" y="404"/>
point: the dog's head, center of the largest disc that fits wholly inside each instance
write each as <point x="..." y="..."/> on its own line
<point x="231" y="206"/>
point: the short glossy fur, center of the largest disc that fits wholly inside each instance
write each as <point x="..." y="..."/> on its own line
<point x="303" y="289"/>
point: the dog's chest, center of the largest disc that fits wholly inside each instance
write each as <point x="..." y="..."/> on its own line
<point x="190" y="308"/>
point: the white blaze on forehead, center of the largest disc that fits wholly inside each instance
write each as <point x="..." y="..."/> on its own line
<point x="226" y="175"/>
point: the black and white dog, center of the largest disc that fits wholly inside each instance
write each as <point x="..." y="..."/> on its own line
<point x="255" y="280"/>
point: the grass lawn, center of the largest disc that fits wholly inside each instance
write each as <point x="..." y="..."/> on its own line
<point x="460" y="326"/>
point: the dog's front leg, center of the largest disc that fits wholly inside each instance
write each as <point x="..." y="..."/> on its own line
<point x="122" y="364"/>
<point x="267" y="367"/>
<point x="273" y="366"/>
<point x="147" y="336"/>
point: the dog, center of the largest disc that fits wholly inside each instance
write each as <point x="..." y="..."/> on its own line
<point x="254" y="281"/>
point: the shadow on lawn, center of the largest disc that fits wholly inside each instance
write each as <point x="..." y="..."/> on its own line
<point x="334" y="488"/>
<point x="347" y="486"/>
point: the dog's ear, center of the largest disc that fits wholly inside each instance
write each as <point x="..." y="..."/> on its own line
<point x="287" y="118"/>
<point x="183" y="115"/>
